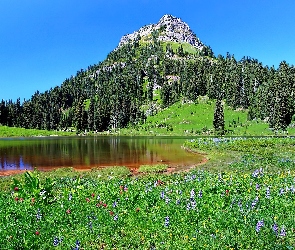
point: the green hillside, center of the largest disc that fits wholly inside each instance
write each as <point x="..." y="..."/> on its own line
<point x="197" y="119"/>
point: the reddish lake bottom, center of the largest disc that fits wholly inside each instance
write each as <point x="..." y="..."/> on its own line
<point x="84" y="153"/>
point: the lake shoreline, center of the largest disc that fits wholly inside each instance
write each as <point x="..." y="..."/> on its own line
<point x="133" y="171"/>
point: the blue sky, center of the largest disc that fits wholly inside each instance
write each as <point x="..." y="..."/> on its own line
<point x="43" y="42"/>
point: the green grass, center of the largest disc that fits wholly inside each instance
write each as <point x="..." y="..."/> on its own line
<point x="158" y="168"/>
<point x="22" y="132"/>
<point x="197" y="119"/>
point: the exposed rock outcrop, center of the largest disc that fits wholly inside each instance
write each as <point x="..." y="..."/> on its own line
<point x="169" y="28"/>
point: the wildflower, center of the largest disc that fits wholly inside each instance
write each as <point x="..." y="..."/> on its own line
<point x="188" y="206"/>
<point x="177" y="202"/>
<point x="42" y="193"/>
<point x="257" y="186"/>
<point x="283" y="232"/>
<point x="240" y="205"/>
<point x="259" y="225"/>
<point x="90" y="225"/>
<point x="87" y="199"/>
<point x="33" y="200"/>
<point x="227" y="192"/>
<point x="16" y="189"/>
<point x="70" y="196"/>
<point x="254" y="202"/>
<point x="116" y="217"/>
<point x="137" y="209"/>
<point x="275" y="228"/>
<point x="162" y="195"/>
<point x="115" y="204"/>
<point x="98" y="197"/>
<point x="68" y="211"/>
<point x="92" y="195"/>
<point x="55" y="242"/>
<point x="193" y="204"/>
<point x="200" y="194"/>
<point x="111" y="213"/>
<point x="16" y="198"/>
<point x="166" y="223"/>
<point x="281" y="191"/>
<point x="21" y="199"/>
<point x="77" y="247"/>
<point x="38" y="215"/>
<point x="105" y="205"/>
<point x="255" y="174"/>
<point x="37" y="233"/>
<point x="192" y="194"/>
<point x="167" y="200"/>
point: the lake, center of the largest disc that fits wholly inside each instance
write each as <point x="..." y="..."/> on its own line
<point x="47" y="153"/>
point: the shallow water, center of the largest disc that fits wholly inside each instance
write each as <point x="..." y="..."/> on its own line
<point x="46" y="153"/>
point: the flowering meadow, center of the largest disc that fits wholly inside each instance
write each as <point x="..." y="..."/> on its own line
<point x="241" y="208"/>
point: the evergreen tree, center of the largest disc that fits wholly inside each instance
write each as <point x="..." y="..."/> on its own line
<point x="218" y="121"/>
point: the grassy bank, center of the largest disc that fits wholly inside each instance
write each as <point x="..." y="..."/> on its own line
<point x="22" y="132"/>
<point x="243" y="198"/>
<point x="197" y="119"/>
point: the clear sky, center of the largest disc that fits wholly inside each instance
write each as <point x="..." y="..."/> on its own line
<point x="43" y="42"/>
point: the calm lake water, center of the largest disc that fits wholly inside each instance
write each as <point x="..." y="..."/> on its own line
<point x="88" y="152"/>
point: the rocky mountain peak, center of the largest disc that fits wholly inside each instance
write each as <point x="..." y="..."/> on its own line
<point x="170" y="29"/>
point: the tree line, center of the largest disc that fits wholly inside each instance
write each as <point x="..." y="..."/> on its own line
<point x="115" y="92"/>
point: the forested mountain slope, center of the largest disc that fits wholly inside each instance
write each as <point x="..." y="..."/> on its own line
<point x="151" y="69"/>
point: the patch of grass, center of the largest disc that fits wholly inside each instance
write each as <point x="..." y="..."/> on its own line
<point x="159" y="168"/>
<point x="197" y="119"/>
<point x="22" y="132"/>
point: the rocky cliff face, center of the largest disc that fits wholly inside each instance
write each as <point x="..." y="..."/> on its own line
<point x="169" y="28"/>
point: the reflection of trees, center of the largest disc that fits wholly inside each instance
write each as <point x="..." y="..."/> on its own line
<point x="87" y="151"/>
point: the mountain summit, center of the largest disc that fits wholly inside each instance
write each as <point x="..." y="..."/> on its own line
<point x="168" y="29"/>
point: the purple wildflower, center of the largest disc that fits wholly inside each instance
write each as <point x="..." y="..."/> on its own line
<point x="167" y="200"/>
<point x="193" y="204"/>
<point x="162" y="195"/>
<point x="257" y="186"/>
<point x="254" y="203"/>
<point x="200" y="194"/>
<point x="255" y="174"/>
<point x="192" y="194"/>
<point x="188" y="206"/>
<point x="166" y="224"/>
<point x="77" y="247"/>
<point x="116" y="217"/>
<point x="38" y="215"/>
<point x="115" y="204"/>
<point x="55" y="242"/>
<point x="275" y="228"/>
<point x="283" y="232"/>
<point x="259" y="225"/>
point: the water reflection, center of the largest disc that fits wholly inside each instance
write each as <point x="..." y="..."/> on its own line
<point x="88" y="152"/>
